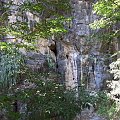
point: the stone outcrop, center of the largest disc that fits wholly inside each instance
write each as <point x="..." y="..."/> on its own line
<point x="79" y="58"/>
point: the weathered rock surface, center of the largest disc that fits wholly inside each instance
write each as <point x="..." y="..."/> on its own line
<point x="89" y="115"/>
<point x="79" y="58"/>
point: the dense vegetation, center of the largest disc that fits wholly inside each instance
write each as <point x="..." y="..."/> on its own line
<point x="36" y="97"/>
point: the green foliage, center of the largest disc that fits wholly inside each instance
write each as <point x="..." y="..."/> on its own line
<point x="108" y="10"/>
<point x="106" y="106"/>
<point x="41" y="99"/>
<point x="47" y="18"/>
<point x="10" y="64"/>
<point x="86" y="98"/>
<point x="45" y="100"/>
<point x="50" y="61"/>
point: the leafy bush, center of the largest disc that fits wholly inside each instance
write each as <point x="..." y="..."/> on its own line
<point x="10" y="65"/>
<point x="42" y="100"/>
<point x="105" y="105"/>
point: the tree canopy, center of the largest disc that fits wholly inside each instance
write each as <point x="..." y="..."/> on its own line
<point x="108" y="10"/>
<point x="31" y="20"/>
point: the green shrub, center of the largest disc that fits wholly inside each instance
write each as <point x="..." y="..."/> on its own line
<point x="44" y="101"/>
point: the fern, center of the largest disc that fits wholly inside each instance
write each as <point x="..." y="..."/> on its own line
<point x="10" y="63"/>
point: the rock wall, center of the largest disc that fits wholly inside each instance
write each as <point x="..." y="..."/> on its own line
<point x="80" y="59"/>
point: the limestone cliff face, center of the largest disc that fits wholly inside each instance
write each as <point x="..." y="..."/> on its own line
<point x="80" y="59"/>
